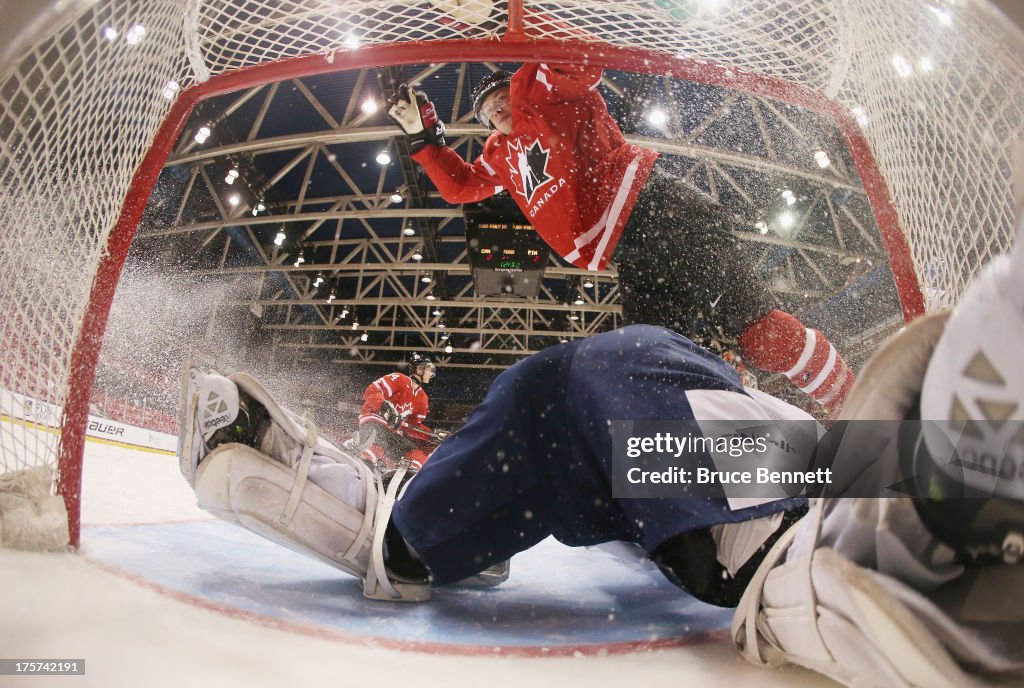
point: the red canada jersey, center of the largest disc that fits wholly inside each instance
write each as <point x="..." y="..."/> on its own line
<point x="409" y="398"/>
<point x="566" y="164"/>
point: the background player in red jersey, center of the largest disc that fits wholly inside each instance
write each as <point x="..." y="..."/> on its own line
<point x="593" y="197"/>
<point x="391" y="419"/>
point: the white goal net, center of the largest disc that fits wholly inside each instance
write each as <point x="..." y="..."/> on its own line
<point x="91" y="100"/>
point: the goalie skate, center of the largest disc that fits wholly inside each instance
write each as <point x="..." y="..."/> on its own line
<point x="490" y="577"/>
<point x="253" y="463"/>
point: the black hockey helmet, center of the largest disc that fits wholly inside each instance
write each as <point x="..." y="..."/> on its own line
<point x="485" y="87"/>
<point x="416" y="360"/>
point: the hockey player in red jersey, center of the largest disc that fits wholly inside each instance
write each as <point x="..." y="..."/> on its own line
<point x="391" y="419"/>
<point x="594" y="197"/>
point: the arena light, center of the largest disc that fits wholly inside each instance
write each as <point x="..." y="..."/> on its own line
<point x="369" y="106"/>
<point x="902" y="66"/>
<point x="441" y="325"/>
<point x="657" y="117"/>
<point x="383" y="158"/>
<point x="170" y="89"/>
<point x="135" y="34"/>
<point x="788" y="196"/>
<point x="352" y="41"/>
<point x="574" y="317"/>
<point x="202" y="134"/>
<point x="281" y="236"/>
<point x="408" y="231"/>
<point x="110" y="33"/>
<point x="355" y="324"/>
<point x="860" y="115"/>
<point x="330" y="299"/>
<point x="319" y="280"/>
<point x="821" y="157"/>
<point x="430" y="297"/>
<point x="364" y="337"/>
<point x="578" y="301"/>
<point x="787" y="220"/>
<point x="444" y="336"/>
<point x="396" y="197"/>
<point x="448" y="348"/>
<point x="426" y="279"/>
<point x="231" y="176"/>
<point x="588" y="283"/>
<point x="944" y="16"/>
<point x="234" y="200"/>
<point x="417" y="255"/>
<point x="436" y="311"/>
<point x="344" y="309"/>
<point x="761" y="227"/>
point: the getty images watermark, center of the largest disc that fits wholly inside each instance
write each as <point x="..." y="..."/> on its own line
<point x="763" y="460"/>
<point x="708" y="459"/>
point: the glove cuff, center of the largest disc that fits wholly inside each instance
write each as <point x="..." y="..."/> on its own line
<point x="420" y="141"/>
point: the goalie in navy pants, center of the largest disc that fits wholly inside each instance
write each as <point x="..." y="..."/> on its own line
<point x="900" y="591"/>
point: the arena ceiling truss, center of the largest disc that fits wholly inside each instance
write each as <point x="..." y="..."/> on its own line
<point x="381" y="277"/>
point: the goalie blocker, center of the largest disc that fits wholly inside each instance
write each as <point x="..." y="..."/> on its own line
<point x="916" y="591"/>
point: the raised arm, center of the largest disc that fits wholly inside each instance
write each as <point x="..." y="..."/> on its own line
<point x="457" y="180"/>
<point x="555" y="83"/>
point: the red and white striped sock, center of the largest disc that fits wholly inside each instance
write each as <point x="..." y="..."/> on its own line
<point x="779" y="343"/>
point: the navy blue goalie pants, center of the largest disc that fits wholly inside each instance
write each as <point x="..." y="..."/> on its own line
<point x="535" y="458"/>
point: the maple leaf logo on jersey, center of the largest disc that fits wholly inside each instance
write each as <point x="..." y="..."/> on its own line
<point x="530" y="166"/>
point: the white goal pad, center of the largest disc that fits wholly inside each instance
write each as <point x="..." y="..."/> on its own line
<point x="293" y="488"/>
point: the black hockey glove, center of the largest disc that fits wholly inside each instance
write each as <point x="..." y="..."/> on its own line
<point x="417" y="117"/>
<point x="390" y="415"/>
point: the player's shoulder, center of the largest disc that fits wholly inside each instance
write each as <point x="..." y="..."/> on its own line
<point x="395" y="378"/>
<point x="493" y="143"/>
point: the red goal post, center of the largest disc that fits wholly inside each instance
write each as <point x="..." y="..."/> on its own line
<point x="935" y="167"/>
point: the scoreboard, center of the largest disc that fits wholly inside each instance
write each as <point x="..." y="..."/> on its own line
<point x="506" y="246"/>
<point x="506" y="254"/>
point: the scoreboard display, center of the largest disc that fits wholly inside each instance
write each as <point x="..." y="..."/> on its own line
<point x="505" y="246"/>
<point x="506" y="254"/>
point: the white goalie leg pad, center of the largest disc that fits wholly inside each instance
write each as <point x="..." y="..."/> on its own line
<point x="378" y="583"/>
<point x="294" y="488"/>
<point x="820" y="610"/>
<point x="290" y="434"/>
<point x="206" y="403"/>
<point x="242" y="485"/>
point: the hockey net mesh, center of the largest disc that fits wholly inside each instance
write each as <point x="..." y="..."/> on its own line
<point x="938" y="89"/>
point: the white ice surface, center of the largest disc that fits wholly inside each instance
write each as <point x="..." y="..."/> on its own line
<point x="63" y="606"/>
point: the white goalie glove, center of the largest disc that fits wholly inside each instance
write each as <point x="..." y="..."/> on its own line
<point x="916" y="591"/>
